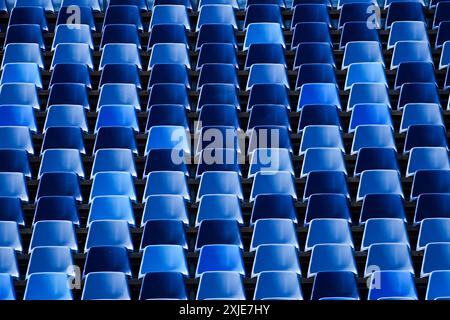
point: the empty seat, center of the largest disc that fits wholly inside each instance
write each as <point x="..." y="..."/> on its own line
<point x="16" y="138"/>
<point x="13" y="184"/>
<point x="276" y="257"/>
<point x="432" y="206"/>
<point x="23" y="72"/>
<point x="166" y="183"/>
<point x="106" y="286"/>
<point x="120" y="73"/>
<point x="305" y="32"/>
<point x="217" y="159"/>
<point x="216" y="14"/>
<point x="269" y="137"/>
<point x="71" y="73"/>
<point x="123" y="14"/>
<point x="433" y="230"/>
<point x="93" y="4"/>
<point x="268" y="94"/>
<point x="169" y="93"/>
<point x="368" y="93"/>
<point x="23" y="53"/>
<point x="274" y="231"/>
<point x="400" y="11"/>
<point x="267" y="74"/>
<point x="169" y="73"/>
<point x="430" y="181"/>
<point x="119" y="94"/>
<point x="320" y="115"/>
<point x="425" y="136"/>
<point x="435" y="258"/>
<point x="218" y="94"/>
<point x="8" y="262"/>
<point x="167" y="137"/>
<point x="165" y="160"/>
<point x="215" y="206"/>
<point x="376" y="159"/>
<point x="167" y="33"/>
<point x="63" y="138"/>
<point x="59" y="184"/>
<point x="321" y="136"/>
<point x="323" y="159"/>
<point x="325" y="182"/>
<point x="46" y="4"/>
<point x="220" y="285"/>
<point x="373" y="136"/>
<point x="117" y="116"/>
<point x="224" y="137"/>
<point x="382" y="206"/>
<point x="53" y="233"/>
<point x="273" y="206"/>
<point x="11" y="210"/>
<point x="362" y="51"/>
<point x="216" y="33"/>
<point x="163" y="258"/>
<point x="359" y="11"/>
<point x="278" y="285"/>
<point x="67" y="34"/>
<point x="214" y="115"/>
<point x="263" y="33"/>
<point x="232" y="3"/>
<point x="114" y="160"/>
<point x="414" y="72"/>
<point x="61" y="160"/>
<point x="50" y="259"/>
<point x="357" y="31"/>
<point x="111" y="208"/>
<point x="7" y="292"/>
<point x="267" y="53"/>
<point x="170" y="14"/>
<point x="384" y="230"/>
<point x="407" y="31"/>
<point x="115" y="138"/>
<point x="10" y="235"/>
<point x="418" y="93"/>
<point x="438" y="286"/>
<point x="165" y="207"/>
<point x="313" y="52"/>
<point x="217" y="53"/>
<point x="19" y="94"/>
<point x="427" y="158"/>
<point x="141" y="4"/>
<point x="335" y="285"/>
<point x="392" y="285"/>
<point x="421" y="113"/>
<point x="220" y="182"/>
<point x="388" y="257"/>
<point x="68" y="93"/>
<point x="28" y="15"/>
<point x="113" y="184"/>
<point x="441" y="14"/>
<point x="310" y="12"/>
<point x="274" y="182"/>
<point x="212" y="232"/>
<point x="318" y="94"/>
<point x="163" y="285"/>
<point x="443" y="34"/>
<point x="48" y="286"/>
<point x="72" y="53"/>
<point x="270" y="159"/>
<point x="328" y="231"/>
<point x="25" y="33"/>
<point x="66" y="116"/>
<point x="85" y="18"/>
<point x="169" y="53"/>
<point x="108" y="233"/>
<point x="379" y="182"/>
<point x="365" y="72"/>
<point x="66" y="209"/>
<point x="411" y="51"/>
<point x="18" y="116"/>
<point x="331" y="257"/>
<point x="163" y="232"/>
<point x="217" y="73"/>
<point x="327" y="206"/>
<point x="370" y="114"/>
<point x="315" y="73"/>
<point x="120" y="33"/>
<point x="220" y="257"/>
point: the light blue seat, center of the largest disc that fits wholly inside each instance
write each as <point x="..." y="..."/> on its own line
<point x="16" y="138"/>
<point x="165" y="207"/>
<point x="19" y="94"/>
<point x="169" y="53"/>
<point x="263" y="33"/>
<point x="418" y="93"/>
<point x="23" y="53"/>
<point x="111" y="208"/>
<point x="321" y="136"/>
<point x="420" y="113"/>
<point x="275" y="182"/>
<point x="8" y="262"/>
<point x="432" y="206"/>
<point x="335" y="285"/>
<point x="170" y="14"/>
<point x="216" y="14"/>
<point x="215" y="206"/>
<point x="13" y="184"/>
<point x="22" y="72"/>
<point x="362" y="51"/>
<point x="368" y="93"/>
<point x="323" y="159"/>
<point x="438" y="285"/>
<point x="392" y="285"/>
<point x="67" y="209"/>
<point x="67" y="34"/>
<point x="328" y="231"/>
<point x="54" y="233"/>
<point x="61" y="160"/>
<point x="50" y="259"/>
<point x="433" y="230"/>
<point x="379" y="182"/>
<point x="25" y="33"/>
<point x="357" y="31"/>
<point x="114" y="160"/>
<point x="10" y="236"/>
<point x="410" y="51"/>
<point x="276" y="257"/>
<point x="388" y="257"/>
<point x="384" y="230"/>
<point x="372" y="136"/>
<point x="219" y="285"/>
<point x="318" y="94"/>
<point x="18" y="116"/>
<point x="167" y="137"/>
<point x="278" y="285"/>
<point x="325" y="182"/>
<point x="273" y="206"/>
<point x="427" y="158"/>
<point x="327" y="206"/>
<point x="106" y="286"/>
<point x="220" y="182"/>
<point x="113" y="184"/>
<point x="220" y="257"/>
<point x="425" y="136"/>
<point x="274" y="231"/>
<point x="166" y="183"/>
<point x="119" y="94"/>
<point x="435" y="258"/>
<point x="7" y="292"/>
<point x="72" y="53"/>
<point x="117" y="116"/>
<point x="365" y="72"/>
<point x="48" y="286"/>
<point x="377" y="158"/>
<point x="270" y="159"/>
<point x="109" y="233"/>
<point x="370" y="114"/>
<point x="267" y="74"/>
<point x="331" y="257"/>
<point x="66" y="116"/>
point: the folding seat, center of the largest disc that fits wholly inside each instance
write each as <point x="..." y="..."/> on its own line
<point x="46" y="4"/>
<point x="16" y="138"/>
<point x="217" y="73"/>
<point x="115" y="138"/>
<point x="93" y="4"/>
<point x="216" y="14"/>
<point x="430" y="181"/>
<point x="48" y="286"/>
<point x="278" y="285"/>
<point x="427" y="158"/>
<point x="269" y="137"/>
<point x="383" y="230"/>
<point x="335" y="285"/>
<point x="71" y="73"/>
<point x="273" y="206"/>
<point x="111" y="208"/>
<point x="66" y="53"/>
<point x="322" y="159"/>
<point x="362" y="51"/>
<point x="365" y="72"/>
<point x="217" y="159"/>
<point x="169" y="73"/>
<point x="8" y="262"/>
<point x="383" y="206"/>
<point x="216" y="33"/>
<point x="262" y="13"/>
<point x="66" y="209"/>
<point x="29" y="15"/>
<point x="313" y="52"/>
<point x="425" y="136"/>
<point x="67" y="34"/>
<point x="163" y="232"/>
<point x="327" y="206"/>
<point x="66" y="116"/>
<point x="432" y="206"/>
<point x="233" y="3"/>
<point x="13" y="184"/>
<point x="10" y="236"/>
<point x="123" y="14"/>
<point x="166" y="183"/>
<point x="328" y="231"/>
<point x="318" y="94"/>
<point x="220" y="137"/>
<point x="443" y="34"/>
<point x="325" y="182"/>
<point x="61" y="160"/>
<point x="163" y="286"/>
<point x="18" y="116"/>
<point x="85" y="19"/>
<point x="108" y="233"/>
<point x="438" y="285"/>
<point x="165" y="160"/>
<point x="169" y="93"/>
<point x="305" y="32"/>
<point x="265" y="53"/>
<point x="50" y="260"/>
<point x="68" y="93"/>
<point x="379" y="182"/>
<point x="357" y="31"/>
<point x="163" y="258"/>
<point x="318" y="115"/>
<point x="117" y="116"/>
<point x="401" y="11"/>
<point x="167" y="33"/>
<point x="267" y="74"/>
<point x="268" y="94"/>
<point x="310" y="13"/>
<point x="106" y="286"/>
<point x="421" y="114"/>
<point x="114" y="160"/>
<point x="321" y="136"/>
<point x="165" y="207"/>
<point x="117" y="94"/>
<point x="388" y="257"/>
<point x="213" y="115"/>
<point x="19" y="94"/>
<point x="215" y="206"/>
<point x="269" y="160"/>
<point x="274" y="231"/>
<point x="220" y="182"/>
<point x="331" y="257"/>
<point x="7" y="292"/>
<point x="169" y="14"/>
<point x="120" y="73"/>
<point x="435" y="258"/>
<point x="370" y="114"/>
<point x="223" y="53"/>
<point x="23" y="72"/>
<point x="368" y="93"/>
<point x="63" y="138"/>
<point x="218" y="232"/>
<point x="422" y="72"/>
<point x="276" y="257"/>
<point x="433" y="230"/>
<point x="372" y="136"/>
<point x="441" y="14"/>
<point x="141" y="4"/>
<point x="107" y="259"/>
<point x="23" y="53"/>
<point x="167" y="137"/>
<point x="59" y="184"/>
<point x="54" y="233"/>
<point x="120" y="33"/>
<point x="169" y="53"/>
<point x="410" y="31"/>
<point x="275" y="182"/>
<point x="359" y="12"/>
<point x="113" y="184"/>
<point x="220" y="285"/>
<point x="218" y="94"/>
<point x="263" y="33"/>
<point x="11" y="210"/>
<point x="25" y="33"/>
<point x="376" y="158"/>
<point x="315" y="73"/>
<point x="220" y="257"/>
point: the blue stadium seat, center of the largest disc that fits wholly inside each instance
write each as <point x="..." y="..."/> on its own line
<point x="169" y="93"/>
<point x="216" y="33"/>
<point x="167" y="33"/>
<point x="378" y="158"/>
<point x="331" y="257"/>
<point x="433" y="230"/>
<point x="170" y="14"/>
<point x="435" y="258"/>
<point x="120" y="33"/>
<point x="410" y="51"/>
<point x="382" y="206"/>
<point x="305" y="32"/>
<point x="111" y="208"/>
<point x="23" y="72"/>
<point x="214" y="115"/>
<point x="318" y="94"/>
<point x="365" y="72"/>
<point x="418" y="93"/>
<point x="410" y="31"/>
<point x="223" y="137"/>
<point x="117" y="94"/>
<point x="421" y="114"/>
<point x="163" y="232"/>
<point x="268" y="94"/>
<point x="438" y="285"/>
<point x="357" y="31"/>
<point x="359" y="12"/>
<point x="141" y="4"/>
<point x="11" y="210"/>
<point x="19" y="94"/>
<point x="388" y="257"/>
<point x="115" y="138"/>
<point x="59" y="184"/>
<point x="321" y="136"/>
<point x="384" y="230"/>
<point x="427" y="158"/>
<point x="233" y="3"/>
<point x="13" y="184"/>
<point x="220" y="182"/>
<point x="163" y="258"/>
<point x="401" y="11"/>
<point x="163" y="160"/>
<point x="167" y="137"/>
<point x="108" y="233"/>
<point x="267" y="74"/>
<point x="378" y="182"/>
<point x="165" y="207"/>
<point x="274" y="231"/>
<point x="217" y="159"/>
<point x="123" y="14"/>
<point x="441" y="14"/>
<point x="273" y="206"/>
<point x="322" y="159"/>
<point x="214" y="206"/>
<point x="327" y="206"/>
<point x="220" y="257"/>
<point x="86" y="18"/>
<point x="373" y="136"/>
<point x="186" y="3"/>
<point x="50" y="259"/>
<point x="18" y="116"/>
<point x="280" y="182"/>
<point x="313" y="52"/>
<point x="221" y="285"/>
<point x="315" y="73"/>
<point x="269" y="137"/>
<point x="328" y="231"/>
<point x="72" y="53"/>
<point x="431" y="205"/>
<point x="71" y="73"/>
<point x="166" y="183"/>
<point x="217" y="73"/>
<point x="46" y="4"/>
<point x="387" y="3"/>
<point x="106" y="286"/>
<point x="218" y="94"/>
<point x="93" y="4"/>
<point x="335" y="285"/>
<point x="325" y="182"/>
<point x="163" y="285"/>
<point x="8" y="262"/>
<point x="340" y="3"/>
<point x="28" y="15"/>
<point x="68" y="93"/>
<point x="216" y="14"/>
<point x="263" y="33"/>
<point x="113" y="184"/>
<point x="422" y="72"/>
<point x="66" y="116"/>
<point x="318" y="115"/>
<point x="21" y="53"/>
<point x="120" y="73"/>
<point x="278" y="285"/>
<point x="270" y="159"/>
<point x="266" y="53"/>
<point x="276" y="257"/>
<point x="65" y="34"/>
<point x="10" y="235"/>
<point x="370" y="114"/>
<point x="63" y="138"/>
<point x="25" y="33"/>
<point x="117" y="116"/>
<point x="215" y="232"/>
<point x="362" y="51"/>
<point x="54" y="233"/>
<point x="7" y="292"/>
<point x="425" y="136"/>
<point x="218" y="53"/>
<point x="368" y="93"/>
<point x="169" y="53"/>
<point x="262" y="13"/>
<point x="107" y="259"/>
<point x="48" y="286"/>
<point x="16" y="138"/>
<point x="443" y="34"/>
<point x="169" y="73"/>
<point x="310" y="13"/>
<point x="61" y="160"/>
<point x="325" y="2"/>
<point x="67" y="209"/>
<point x="430" y="181"/>
<point x="114" y="160"/>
